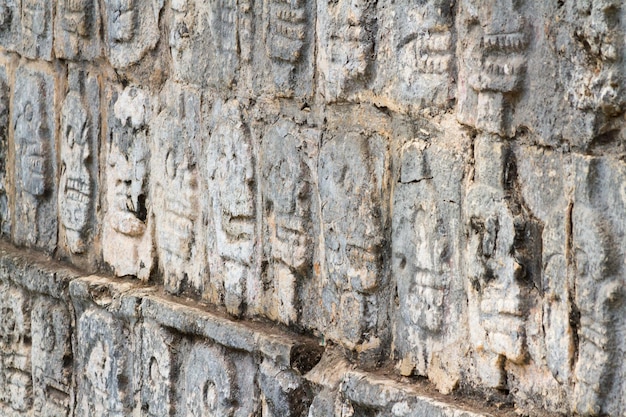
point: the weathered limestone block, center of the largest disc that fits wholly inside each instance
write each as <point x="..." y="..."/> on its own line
<point x="598" y="249"/>
<point x="80" y="134"/>
<point x="503" y="258"/>
<point x="127" y="230"/>
<point x="371" y="396"/>
<point x="288" y="152"/>
<point x="353" y="179"/>
<point x="131" y="30"/>
<point x="544" y="186"/>
<point x="10" y="24"/>
<point x="209" y="41"/>
<point x="346" y="51"/>
<point x="212" y="383"/>
<point x="422" y="52"/>
<point x="285" y="393"/>
<point x="590" y="37"/>
<point x="51" y="358"/>
<point x="284" y="47"/>
<point x="5" y="97"/>
<point x="179" y="237"/>
<point x="34" y="126"/>
<point x="493" y="63"/>
<point x="232" y="206"/>
<point x="77" y="29"/>
<point x="37" y="298"/>
<point x="426" y="265"/>
<point x="107" y="335"/>
<point x="16" y="384"/>
<point x="233" y="368"/>
<point x="36" y="34"/>
<point x="158" y="368"/>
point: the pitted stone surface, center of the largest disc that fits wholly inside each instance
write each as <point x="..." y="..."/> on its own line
<point x="312" y="207"/>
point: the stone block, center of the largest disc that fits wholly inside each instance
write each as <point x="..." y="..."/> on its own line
<point x="232" y="235"/>
<point x="346" y="54"/>
<point x="179" y="238"/>
<point x="11" y="25"/>
<point x="421" y="54"/>
<point x="34" y="127"/>
<point x="287" y="159"/>
<point x="37" y="23"/>
<point x="77" y="30"/>
<point x="5" y="97"/>
<point x="353" y="182"/>
<point x="131" y="30"/>
<point x="426" y="241"/>
<point x="80" y="143"/>
<point x="210" y="41"/>
<point x="127" y="230"/>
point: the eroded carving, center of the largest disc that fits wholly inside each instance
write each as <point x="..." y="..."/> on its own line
<point x="287" y="193"/>
<point x="422" y="258"/>
<point x="351" y="175"/>
<point x="176" y="214"/>
<point x="79" y="134"/>
<point x="132" y="30"/>
<point x="77" y="32"/>
<point x="591" y="40"/>
<point x="231" y="191"/>
<point x="286" y="39"/>
<point x="210" y="383"/>
<point x="496" y="66"/>
<point x="598" y="288"/>
<point x="283" y="391"/>
<point x="104" y="368"/>
<point x="10" y="24"/>
<point x="221" y="29"/>
<point x="16" y="388"/>
<point x="35" y="169"/>
<point x="423" y="39"/>
<point x="503" y="257"/>
<point x="157" y="367"/>
<point x="51" y="358"/>
<point x="37" y="29"/>
<point x="350" y="41"/>
<point x="127" y="245"/>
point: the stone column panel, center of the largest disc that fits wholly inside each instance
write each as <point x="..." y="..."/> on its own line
<point x="80" y="140"/>
<point x="77" y="29"/>
<point x="34" y="127"/>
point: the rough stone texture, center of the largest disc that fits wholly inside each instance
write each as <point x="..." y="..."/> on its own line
<point x="77" y="29"/>
<point x="34" y="129"/>
<point x="312" y="208"/>
<point x="80" y="140"/>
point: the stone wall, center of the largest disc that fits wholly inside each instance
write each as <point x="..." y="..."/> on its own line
<point x="301" y="208"/>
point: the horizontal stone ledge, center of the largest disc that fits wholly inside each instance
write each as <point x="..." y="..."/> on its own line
<point x="393" y="398"/>
<point x="132" y="298"/>
<point x="35" y="271"/>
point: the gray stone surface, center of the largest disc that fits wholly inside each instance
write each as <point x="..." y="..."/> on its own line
<point x="178" y="237"/>
<point x="10" y="24"/>
<point x="34" y="127"/>
<point x="231" y="180"/>
<point x="77" y="29"/>
<point x="127" y="230"/>
<point x="313" y="208"/>
<point x="36" y="32"/>
<point x="131" y="29"/>
<point x="80" y="141"/>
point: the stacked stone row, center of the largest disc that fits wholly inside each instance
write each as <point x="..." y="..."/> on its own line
<point x="437" y="185"/>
